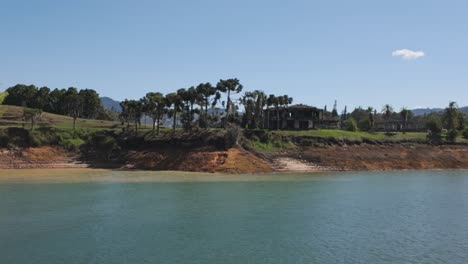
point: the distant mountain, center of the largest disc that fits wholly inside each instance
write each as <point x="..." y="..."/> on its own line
<point x="422" y="111"/>
<point x="109" y="103"/>
<point x="425" y="111"/>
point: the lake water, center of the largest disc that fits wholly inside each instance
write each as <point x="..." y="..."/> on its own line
<point x="84" y="216"/>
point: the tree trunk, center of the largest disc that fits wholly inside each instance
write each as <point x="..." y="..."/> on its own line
<point x="174" y="121"/>
<point x="74" y="122"/>
<point x="277" y="119"/>
<point x="206" y="112"/>
<point x="157" y="131"/>
<point x="154" y="124"/>
<point x="228" y="107"/>
<point x="268" y="118"/>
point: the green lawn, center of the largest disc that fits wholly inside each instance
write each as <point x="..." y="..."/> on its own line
<point x="340" y="134"/>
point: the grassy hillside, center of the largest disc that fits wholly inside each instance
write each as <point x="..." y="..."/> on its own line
<point x="11" y="116"/>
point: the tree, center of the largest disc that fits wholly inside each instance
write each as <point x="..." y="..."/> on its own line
<point x="404" y="115"/>
<point x="248" y="101"/>
<point x="434" y="129"/>
<point x="156" y="105"/>
<point x="277" y="102"/>
<point x="371" y="117"/>
<point x="73" y="103"/>
<point x="135" y="112"/>
<point x="174" y="100"/>
<point x="131" y="112"/>
<point x="270" y="101"/>
<point x="451" y="116"/>
<point x="351" y="125"/>
<point x="229" y="86"/>
<point x="92" y="106"/>
<point x="56" y="102"/>
<point x="20" y="95"/>
<point x="387" y="112"/>
<point x="433" y="125"/>
<point x="206" y="92"/>
<point x="32" y="114"/>
<point x="41" y="99"/>
<point x="188" y="98"/>
<point x="253" y="102"/>
<point x="334" y="112"/>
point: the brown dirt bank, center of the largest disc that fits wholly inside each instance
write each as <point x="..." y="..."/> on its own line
<point x="238" y="160"/>
<point x="234" y="160"/>
<point x="385" y="157"/>
<point x="40" y="157"/>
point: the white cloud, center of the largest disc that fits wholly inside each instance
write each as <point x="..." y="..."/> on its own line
<point x="408" y="54"/>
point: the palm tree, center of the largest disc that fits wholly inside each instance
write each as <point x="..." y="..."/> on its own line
<point x="270" y="101"/>
<point x="261" y="101"/>
<point x="278" y="102"/>
<point x="387" y="111"/>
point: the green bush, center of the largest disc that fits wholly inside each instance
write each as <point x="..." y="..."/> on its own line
<point x="351" y="125"/>
<point x="364" y="124"/>
<point x="434" y="125"/>
<point x="102" y="142"/>
<point x="465" y="133"/>
<point x="452" y="135"/>
<point x="4" y="140"/>
<point x="69" y="140"/>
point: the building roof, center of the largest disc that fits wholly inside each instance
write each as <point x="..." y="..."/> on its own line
<point x="302" y="106"/>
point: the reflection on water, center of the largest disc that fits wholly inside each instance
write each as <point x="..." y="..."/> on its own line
<point x="86" y="216"/>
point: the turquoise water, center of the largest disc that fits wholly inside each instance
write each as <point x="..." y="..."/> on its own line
<point x="391" y="217"/>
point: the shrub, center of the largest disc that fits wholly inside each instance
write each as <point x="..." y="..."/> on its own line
<point x="465" y="133"/>
<point x="104" y="143"/>
<point x="232" y="136"/>
<point x="452" y="135"/>
<point x="364" y="124"/>
<point x="3" y="139"/>
<point x="434" y="125"/>
<point x="70" y="141"/>
<point x="351" y="125"/>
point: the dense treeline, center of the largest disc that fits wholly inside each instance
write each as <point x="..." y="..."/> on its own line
<point x="76" y="103"/>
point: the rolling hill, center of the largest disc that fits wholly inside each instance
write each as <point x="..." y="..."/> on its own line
<point x="422" y="111"/>
<point x="110" y="104"/>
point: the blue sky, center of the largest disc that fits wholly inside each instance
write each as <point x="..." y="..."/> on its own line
<point x="315" y="51"/>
